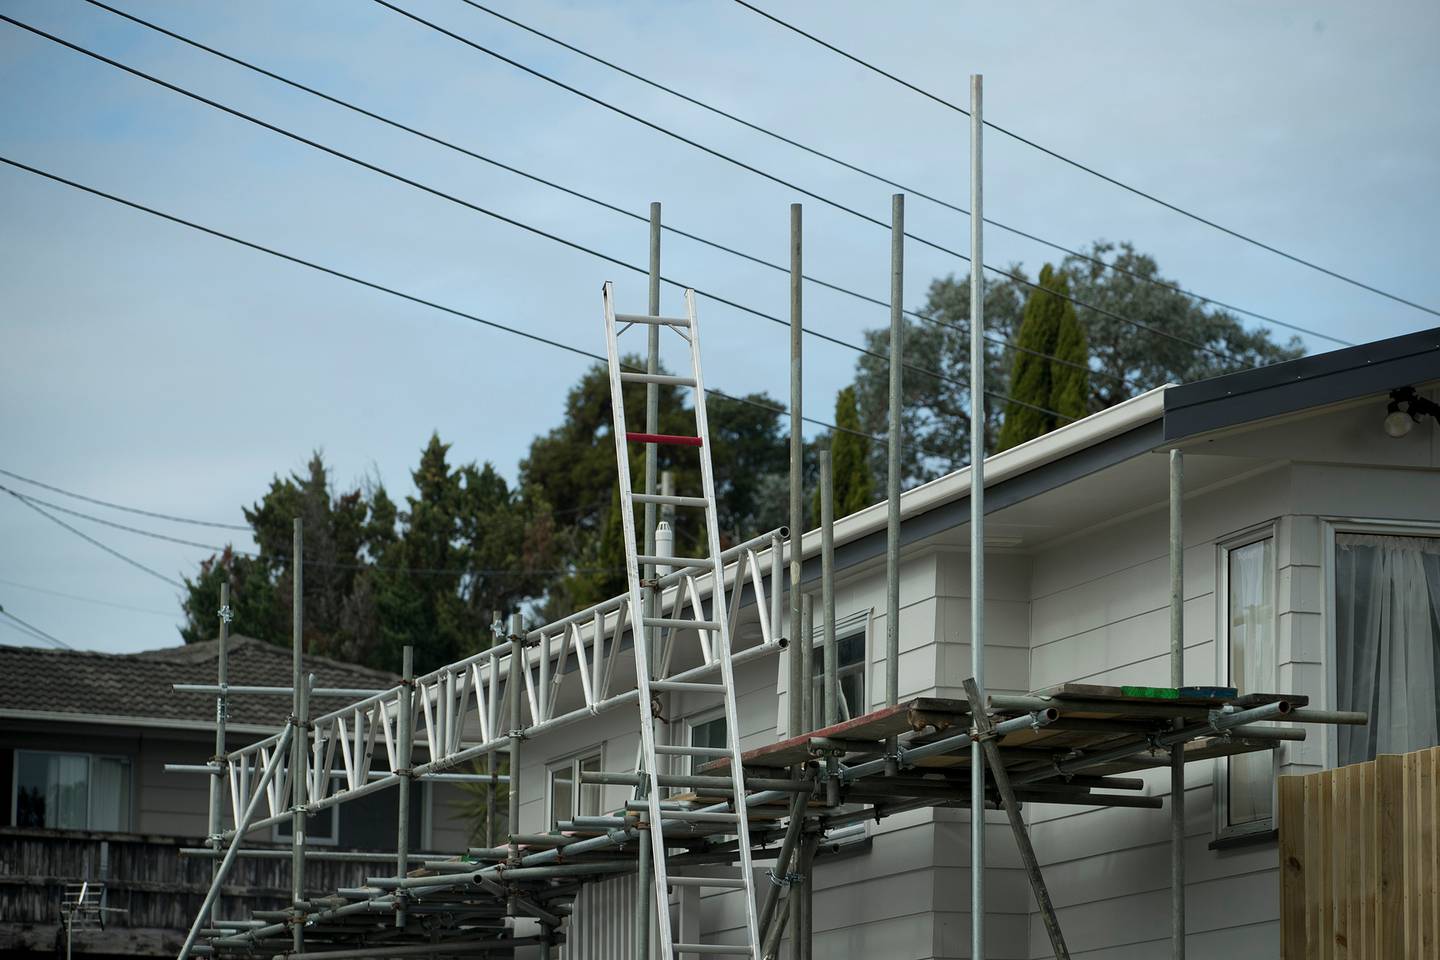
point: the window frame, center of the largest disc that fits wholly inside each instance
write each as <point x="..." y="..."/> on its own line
<point x="1258" y="533"/>
<point x="1329" y="527"/>
<point x="90" y="758"/>
<point x="572" y="761"/>
<point x="861" y="624"/>
<point x="700" y="719"/>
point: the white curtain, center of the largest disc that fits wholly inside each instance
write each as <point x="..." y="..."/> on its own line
<point x="67" y="791"/>
<point x="1387" y="640"/>
<point x="109" y="794"/>
<point x="1251" y="606"/>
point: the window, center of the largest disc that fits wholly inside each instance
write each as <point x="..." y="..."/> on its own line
<point x="707" y="733"/>
<point x="569" y="797"/>
<point x="1248" y="787"/>
<point x="71" y="791"/>
<point x="850" y="677"/>
<point x="1387" y="642"/>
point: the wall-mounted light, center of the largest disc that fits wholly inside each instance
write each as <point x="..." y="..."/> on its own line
<point x="1405" y="410"/>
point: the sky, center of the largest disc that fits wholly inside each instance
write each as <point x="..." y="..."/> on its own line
<point x="149" y="365"/>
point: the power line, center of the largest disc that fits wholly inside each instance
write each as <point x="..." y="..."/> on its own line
<point x="85" y="536"/>
<point x="75" y="596"/>
<point x="116" y="506"/>
<point x="309" y="562"/>
<point x="36" y="631"/>
<point x="614" y="208"/>
<point x="786" y="183"/>
<point x="880" y="178"/>
<point x="299" y="138"/>
<point x="1088" y="169"/>
<point x="772" y="408"/>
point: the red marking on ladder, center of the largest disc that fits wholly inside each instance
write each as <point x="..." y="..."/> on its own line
<point x="664" y="438"/>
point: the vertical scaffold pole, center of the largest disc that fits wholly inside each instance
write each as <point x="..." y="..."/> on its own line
<point x="222" y="708"/>
<point x="1177" y="680"/>
<point x="798" y="681"/>
<point x="298" y="753"/>
<point x="406" y="762"/>
<point x="643" y="879"/>
<point x="514" y="689"/>
<point x="490" y="763"/>
<point x="893" y="441"/>
<point x="827" y="591"/>
<point x="977" y="517"/>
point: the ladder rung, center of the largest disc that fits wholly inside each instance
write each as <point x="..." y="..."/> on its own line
<point x="715" y="949"/>
<point x="733" y="882"/>
<point x="692" y="751"/>
<point x="682" y="686"/>
<point x="702" y="816"/>
<point x="676" y="562"/>
<point x="657" y="321"/>
<point x="680" y="623"/>
<point x="661" y="378"/>
<point x="667" y="500"/>
<point x="672" y="439"/>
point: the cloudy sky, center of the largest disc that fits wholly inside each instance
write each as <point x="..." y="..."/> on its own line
<point x="153" y="366"/>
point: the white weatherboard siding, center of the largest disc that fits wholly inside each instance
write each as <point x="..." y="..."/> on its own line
<point x="1100" y="614"/>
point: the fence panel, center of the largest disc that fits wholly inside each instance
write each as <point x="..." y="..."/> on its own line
<point x="1360" y="860"/>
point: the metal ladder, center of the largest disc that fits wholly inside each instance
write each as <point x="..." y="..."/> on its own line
<point x="736" y="818"/>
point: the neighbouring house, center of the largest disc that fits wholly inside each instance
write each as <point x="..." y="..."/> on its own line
<point x="84" y="740"/>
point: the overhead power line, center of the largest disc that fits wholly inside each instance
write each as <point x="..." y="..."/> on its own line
<point x="321" y="268"/>
<point x="299" y="138"/>
<point x="95" y="600"/>
<point x="871" y="174"/>
<point x="93" y="542"/>
<point x="116" y="506"/>
<point x="786" y="183"/>
<point x="309" y="562"/>
<point x="36" y="631"/>
<point x="604" y="204"/>
<point x="1055" y="154"/>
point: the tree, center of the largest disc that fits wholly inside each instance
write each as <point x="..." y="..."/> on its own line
<point x="1044" y="379"/>
<point x="849" y="459"/>
<point x="573" y="467"/>
<point x="1186" y="341"/>
<point x="376" y="578"/>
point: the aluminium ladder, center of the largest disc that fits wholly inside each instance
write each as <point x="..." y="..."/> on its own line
<point x="717" y="626"/>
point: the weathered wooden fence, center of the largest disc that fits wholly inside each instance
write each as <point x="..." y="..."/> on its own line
<point x="158" y="890"/>
<point x="1360" y="860"/>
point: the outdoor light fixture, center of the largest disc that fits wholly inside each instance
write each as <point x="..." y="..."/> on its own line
<point x="1405" y="410"/>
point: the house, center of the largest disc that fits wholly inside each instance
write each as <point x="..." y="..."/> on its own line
<point x="1311" y="566"/>
<point x="1311" y="549"/>
<point x="84" y="740"/>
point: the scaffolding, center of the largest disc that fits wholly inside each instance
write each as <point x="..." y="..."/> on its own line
<point x="1072" y="744"/>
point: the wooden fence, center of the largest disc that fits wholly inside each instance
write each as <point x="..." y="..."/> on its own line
<point x="1360" y="860"/>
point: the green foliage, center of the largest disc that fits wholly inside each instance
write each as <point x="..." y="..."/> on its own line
<point x="377" y="578"/>
<point x="849" y="460"/>
<point x="1051" y="365"/>
<point x="573" y="468"/>
<point x="1123" y="359"/>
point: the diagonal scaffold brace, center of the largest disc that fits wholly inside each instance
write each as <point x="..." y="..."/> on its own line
<point x="985" y="735"/>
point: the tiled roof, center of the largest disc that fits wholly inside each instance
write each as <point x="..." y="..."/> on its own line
<point x="138" y="684"/>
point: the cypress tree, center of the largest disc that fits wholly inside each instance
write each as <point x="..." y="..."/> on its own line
<point x="1038" y="384"/>
<point x="1070" y="370"/>
<point x="849" y="456"/>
